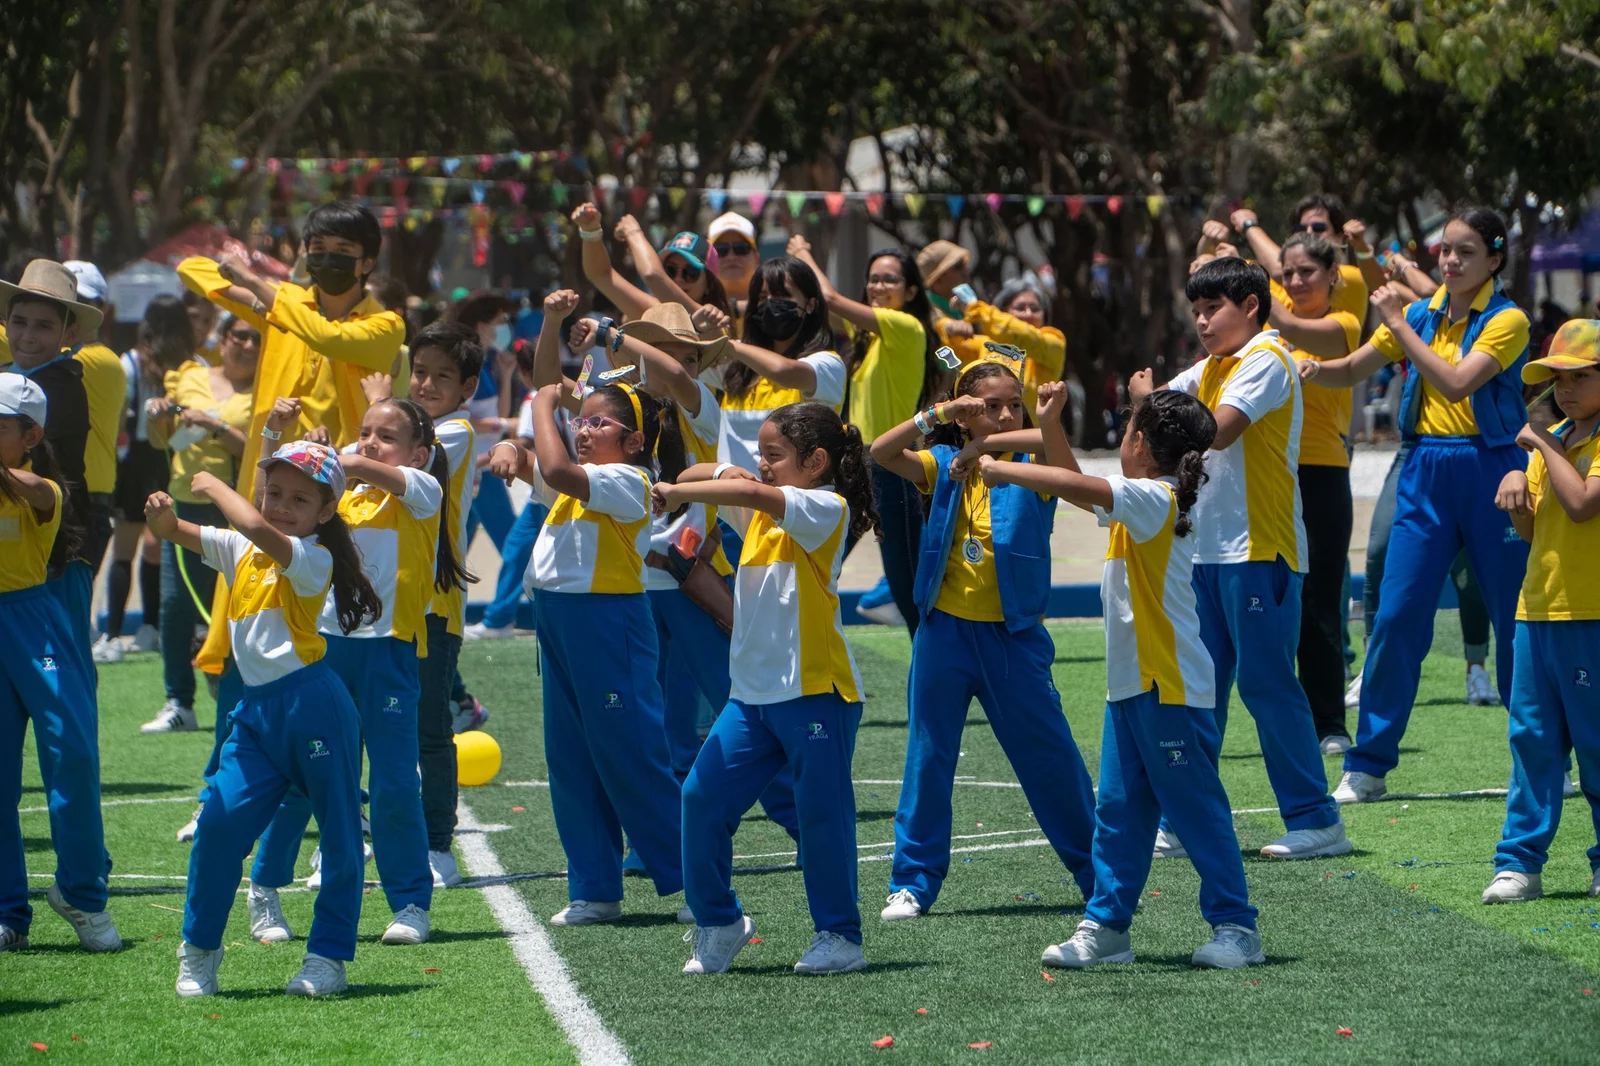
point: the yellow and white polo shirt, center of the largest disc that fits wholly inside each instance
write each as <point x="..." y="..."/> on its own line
<point x="1250" y="509"/>
<point x="688" y="530"/>
<point x="398" y="537"/>
<point x="459" y="441"/>
<point x="787" y="638"/>
<point x="272" y="610"/>
<point x="598" y="546"/>
<point x="1152" y="630"/>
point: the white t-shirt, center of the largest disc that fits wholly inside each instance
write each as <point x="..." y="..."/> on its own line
<point x="742" y="416"/>
<point x="272" y="610"/>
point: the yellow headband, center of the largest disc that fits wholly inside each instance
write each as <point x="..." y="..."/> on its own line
<point x="638" y="409"/>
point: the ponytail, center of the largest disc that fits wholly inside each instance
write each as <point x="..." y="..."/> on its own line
<point x="1178" y="429"/>
<point x="811" y="425"/>
<point x="1191" y="475"/>
<point x="448" y="570"/>
<point x="354" y="598"/>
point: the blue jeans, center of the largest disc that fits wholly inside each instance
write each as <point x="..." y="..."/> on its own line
<point x="491" y="508"/>
<point x="515" y="552"/>
<point x="179" y="611"/>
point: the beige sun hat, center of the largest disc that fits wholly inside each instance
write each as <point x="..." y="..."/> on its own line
<point x="938" y="256"/>
<point x="48" y="278"/>
<point x="669" y="322"/>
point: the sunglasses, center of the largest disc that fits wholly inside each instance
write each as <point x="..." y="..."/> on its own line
<point x="246" y="337"/>
<point x="683" y="272"/>
<point x="597" y="423"/>
<point x="1312" y="227"/>
<point x="734" y="248"/>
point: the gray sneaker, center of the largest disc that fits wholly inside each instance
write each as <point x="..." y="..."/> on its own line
<point x="716" y="945"/>
<point x="1230" y="947"/>
<point x="831" y="953"/>
<point x="1090" y="945"/>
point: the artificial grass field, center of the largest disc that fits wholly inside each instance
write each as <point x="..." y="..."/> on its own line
<point x="1389" y="943"/>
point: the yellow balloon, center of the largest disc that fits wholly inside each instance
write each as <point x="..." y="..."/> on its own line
<point x="477" y="758"/>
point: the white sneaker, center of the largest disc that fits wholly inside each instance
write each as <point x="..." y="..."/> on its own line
<point x="411" y="926"/>
<point x="1168" y="846"/>
<point x="446" y="874"/>
<point x="147" y="639"/>
<point x="1335" y="744"/>
<point x="586" y="912"/>
<point x="106" y="650"/>
<point x="885" y="614"/>
<point x="1594" y="885"/>
<point x="1352" y="694"/>
<point x="1514" y="886"/>
<point x="1357" y="787"/>
<point x="1569" y="787"/>
<point x="96" y="932"/>
<point x="173" y="717"/>
<point x="197" y="970"/>
<point x="318" y="977"/>
<point x="685" y="915"/>
<point x="479" y="631"/>
<point x="716" y="945"/>
<point x="831" y="953"/>
<point x="1090" y="945"/>
<point x="267" y="922"/>
<point x="314" y="882"/>
<point x="1230" y="947"/>
<point x="1308" y="844"/>
<point x="902" y="904"/>
<point x="1480" y="688"/>
<point x="12" y="939"/>
<point x="186" y="834"/>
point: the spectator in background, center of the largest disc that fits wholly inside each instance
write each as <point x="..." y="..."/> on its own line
<point x="106" y="384"/>
<point x="944" y="265"/>
<point x="1019" y="316"/>
<point x="489" y="312"/>
<point x="733" y="238"/>
<point x="203" y="320"/>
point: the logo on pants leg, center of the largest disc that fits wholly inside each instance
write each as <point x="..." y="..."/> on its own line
<point x="1580" y="677"/>
<point x="47" y="663"/>
<point x="1174" y="753"/>
<point x="613" y="701"/>
<point x="393" y="706"/>
<point x="815" y="731"/>
<point x="316" y="749"/>
<point x="1253" y="603"/>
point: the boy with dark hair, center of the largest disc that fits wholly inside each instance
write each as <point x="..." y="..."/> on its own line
<point x="1250" y="547"/>
<point x="317" y="343"/>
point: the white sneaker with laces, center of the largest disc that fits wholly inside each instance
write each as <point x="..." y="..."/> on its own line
<point x="411" y="926"/>
<point x="186" y="834"/>
<point x="173" y="717"/>
<point x="197" y="970"/>
<point x="318" y="977"/>
<point x="587" y="912"/>
<point x="716" y="945"/>
<point x="1569" y="787"/>
<point x="1357" y="787"/>
<point x="902" y="905"/>
<point x="479" y="631"/>
<point x="1309" y="844"/>
<point x="1091" y="944"/>
<point x="148" y="638"/>
<point x="446" y="874"/>
<point x="96" y="931"/>
<point x="12" y="939"/>
<point x="1168" y="846"/>
<point x="267" y="922"/>
<point x="1352" y="694"/>
<point x="831" y="953"/>
<point x="1335" y="744"/>
<point x="1230" y="948"/>
<point x="1514" y="886"/>
<point x="1480" y="688"/>
<point x="106" y="650"/>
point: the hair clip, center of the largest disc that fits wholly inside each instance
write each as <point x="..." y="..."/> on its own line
<point x="583" y="375"/>
<point x="609" y="376"/>
<point x="1007" y="351"/>
<point x="1499" y="242"/>
<point x="948" y="358"/>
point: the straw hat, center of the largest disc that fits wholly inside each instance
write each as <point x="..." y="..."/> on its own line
<point x="939" y="256"/>
<point x="669" y="322"/>
<point x="48" y="278"/>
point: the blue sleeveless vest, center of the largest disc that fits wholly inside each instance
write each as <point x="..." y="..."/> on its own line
<point x="1497" y="405"/>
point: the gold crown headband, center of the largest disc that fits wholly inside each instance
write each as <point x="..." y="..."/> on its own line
<point x="1006" y="355"/>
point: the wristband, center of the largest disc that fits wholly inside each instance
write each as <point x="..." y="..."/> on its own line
<point x="591" y="234"/>
<point x="1247" y="225"/>
<point x="268" y="433"/>
<point x="937" y="411"/>
<point x="616" y="342"/>
<point x="1364" y="255"/>
<point x="721" y="467"/>
<point x="920" y="420"/>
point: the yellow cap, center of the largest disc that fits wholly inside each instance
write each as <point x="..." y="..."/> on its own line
<point x="1576" y="345"/>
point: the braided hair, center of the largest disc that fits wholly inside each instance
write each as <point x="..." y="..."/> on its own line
<point x="1177" y="429"/>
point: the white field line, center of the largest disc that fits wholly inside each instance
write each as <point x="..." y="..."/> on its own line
<point x="595" y="1044"/>
<point x="189" y="798"/>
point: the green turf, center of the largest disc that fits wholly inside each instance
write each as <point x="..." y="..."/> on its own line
<point x="1389" y="942"/>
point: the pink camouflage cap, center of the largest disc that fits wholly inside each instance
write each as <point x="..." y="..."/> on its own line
<point x="316" y="461"/>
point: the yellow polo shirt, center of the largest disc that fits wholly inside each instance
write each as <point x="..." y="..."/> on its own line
<point x="885" y="387"/>
<point x="1563" y="579"/>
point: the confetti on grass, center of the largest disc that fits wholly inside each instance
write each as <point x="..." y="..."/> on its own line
<point x="885" y="1041"/>
<point x="41" y="1047"/>
<point x="518" y="810"/>
<point x="1047" y="977"/>
<point x="753" y="940"/>
<point x="1345" y="1032"/>
<point x="431" y="969"/>
<point x="924" y="1010"/>
<point x="979" y="1047"/>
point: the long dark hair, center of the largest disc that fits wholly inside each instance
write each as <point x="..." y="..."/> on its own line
<point x="1178" y="429"/>
<point x="70" y="534"/>
<point x="789" y="279"/>
<point x="663" y="438"/>
<point x="1492" y="228"/>
<point x="917" y="307"/>
<point x="354" y="598"/>
<point x="165" y="336"/>
<point x="448" y="571"/>
<point x="952" y="434"/>
<point x="811" y="425"/>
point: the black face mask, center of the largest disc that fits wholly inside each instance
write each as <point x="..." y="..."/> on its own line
<point x="333" y="272"/>
<point x="780" y="319"/>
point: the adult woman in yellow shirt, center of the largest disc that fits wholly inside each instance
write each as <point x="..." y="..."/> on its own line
<point x="1315" y="329"/>
<point x="202" y="433"/>
<point x="892" y="375"/>
<point x="1019" y="317"/>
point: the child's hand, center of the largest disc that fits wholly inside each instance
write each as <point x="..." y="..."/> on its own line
<point x="586" y="217"/>
<point x="203" y="485"/>
<point x="1530" y="437"/>
<point x="958" y="328"/>
<point x="1309" y="368"/>
<point x="159" y="516"/>
<point x="1201" y="260"/>
<point x="560" y="304"/>
<point x="1355" y="231"/>
<point x="961" y="408"/>
<point x="1226" y="249"/>
<point x="1214" y="230"/>
<point x="1140" y="385"/>
<point x="964" y="461"/>
<point x="989" y="470"/>
<point x="627" y="226"/>
<point x="664" y="498"/>
<point x="584" y="335"/>
<point x="234" y="267"/>
<point x="285" y="413"/>
<point x="798" y="245"/>
<point x="549" y="395"/>
<point x="1512" y="496"/>
<point x="1391" y="305"/>
<point x="379" y="386"/>
<point x="319" y="435"/>
<point x="505" y="460"/>
<point x="1052" y="399"/>
<point x="1240" y="217"/>
<point x="710" y="323"/>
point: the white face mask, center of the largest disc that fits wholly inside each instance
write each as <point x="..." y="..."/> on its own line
<point x="502" y="336"/>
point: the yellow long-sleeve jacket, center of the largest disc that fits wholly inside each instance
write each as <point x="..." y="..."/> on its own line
<point x="1046" y="346"/>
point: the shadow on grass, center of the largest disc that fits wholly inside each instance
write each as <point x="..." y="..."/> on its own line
<point x="1061" y="659"/>
<point x="900" y="723"/>
<point x="9" y="1007"/>
<point x="1011" y="910"/>
<point x="787" y="969"/>
<point x="1182" y="962"/>
<point x="363" y="991"/>
<point x="128" y="788"/>
<point x="453" y="936"/>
